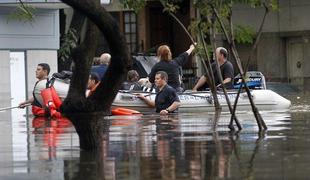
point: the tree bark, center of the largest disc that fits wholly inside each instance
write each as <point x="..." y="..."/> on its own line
<point x="89" y="170"/>
<point x="207" y="66"/>
<point x="260" y="122"/>
<point x="219" y="74"/>
<point x="76" y="23"/>
<point x="209" y="71"/>
<point x="254" y="47"/>
<point x="87" y="114"/>
<point x="91" y="128"/>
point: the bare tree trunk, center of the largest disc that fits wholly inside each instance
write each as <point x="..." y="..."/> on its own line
<point x="82" y="57"/>
<point x="76" y="25"/>
<point x="254" y="47"/>
<point x="207" y="66"/>
<point x="87" y="169"/>
<point x="260" y="122"/>
<point x="219" y="74"/>
<point x="87" y="114"/>
<point x="91" y="128"/>
<point x="211" y="81"/>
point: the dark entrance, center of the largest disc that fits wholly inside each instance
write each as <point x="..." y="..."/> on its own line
<point x="165" y="30"/>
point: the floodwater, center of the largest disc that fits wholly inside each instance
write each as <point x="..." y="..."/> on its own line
<point x="183" y="146"/>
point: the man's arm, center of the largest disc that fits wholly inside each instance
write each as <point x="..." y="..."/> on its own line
<point x="23" y="104"/>
<point x="190" y="49"/>
<point x="228" y="73"/>
<point x="227" y="80"/>
<point x="171" y="108"/>
<point x="202" y="80"/>
<point x="146" y="100"/>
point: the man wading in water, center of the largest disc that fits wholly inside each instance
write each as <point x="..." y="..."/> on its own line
<point x="42" y="72"/>
<point x="166" y="100"/>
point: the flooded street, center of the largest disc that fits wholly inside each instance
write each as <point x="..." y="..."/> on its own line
<point x="153" y="147"/>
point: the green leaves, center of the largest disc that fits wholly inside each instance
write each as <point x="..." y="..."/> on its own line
<point x="171" y="6"/>
<point x="244" y="34"/>
<point x="69" y="41"/>
<point x="135" y="5"/>
<point x="23" y="12"/>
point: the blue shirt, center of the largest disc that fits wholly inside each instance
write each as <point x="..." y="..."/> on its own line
<point x="100" y="70"/>
<point x="165" y="98"/>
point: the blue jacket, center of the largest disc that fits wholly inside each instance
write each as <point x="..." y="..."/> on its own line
<point x="100" y="70"/>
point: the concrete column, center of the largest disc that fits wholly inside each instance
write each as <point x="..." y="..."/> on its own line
<point x="5" y="116"/>
<point x="5" y="78"/>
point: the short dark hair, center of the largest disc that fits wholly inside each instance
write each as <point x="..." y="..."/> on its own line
<point x="46" y="67"/>
<point x="224" y="52"/>
<point x="132" y="75"/>
<point x="94" y="76"/>
<point x="163" y="75"/>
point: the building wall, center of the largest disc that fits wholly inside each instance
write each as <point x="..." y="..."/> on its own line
<point x="143" y="29"/>
<point x="5" y="78"/>
<point x="5" y="99"/>
<point x="39" y="40"/>
<point x="281" y="27"/>
<point x="271" y="57"/>
<point x="291" y="16"/>
<point x="42" y="33"/>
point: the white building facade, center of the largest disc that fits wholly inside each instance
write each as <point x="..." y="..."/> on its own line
<point x="24" y="44"/>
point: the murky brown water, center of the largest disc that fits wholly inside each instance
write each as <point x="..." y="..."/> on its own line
<point x="154" y="147"/>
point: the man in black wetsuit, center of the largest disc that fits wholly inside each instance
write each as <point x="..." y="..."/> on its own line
<point x="227" y="71"/>
<point x="167" y="100"/>
<point x="170" y="66"/>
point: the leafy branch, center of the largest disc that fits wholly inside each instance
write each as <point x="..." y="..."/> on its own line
<point x="23" y="12"/>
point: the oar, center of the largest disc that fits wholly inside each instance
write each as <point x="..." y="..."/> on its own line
<point x="8" y="108"/>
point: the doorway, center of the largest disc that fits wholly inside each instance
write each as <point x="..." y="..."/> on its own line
<point x="18" y="80"/>
<point x="18" y="94"/>
<point x="295" y="61"/>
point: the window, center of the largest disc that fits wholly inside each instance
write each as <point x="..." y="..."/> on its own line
<point x="130" y="31"/>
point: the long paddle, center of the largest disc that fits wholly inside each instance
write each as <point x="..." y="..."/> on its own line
<point x="8" y="108"/>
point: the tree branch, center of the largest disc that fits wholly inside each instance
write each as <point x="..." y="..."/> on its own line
<point x="120" y="61"/>
<point x="261" y="124"/>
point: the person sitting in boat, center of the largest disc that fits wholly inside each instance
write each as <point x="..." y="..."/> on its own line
<point x="170" y="66"/>
<point x="93" y="83"/>
<point x="166" y="100"/>
<point x="132" y="81"/>
<point x="104" y="62"/>
<point x="42" y="72"/>
<point x="227" y="71"/>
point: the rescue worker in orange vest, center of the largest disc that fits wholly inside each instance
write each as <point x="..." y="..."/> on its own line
<point x="50" y="98"/>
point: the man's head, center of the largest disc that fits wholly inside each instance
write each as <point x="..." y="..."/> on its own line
<point x="93" y="80"/>
<point x="42" y="71"/>
<point x="221" y="54"/>
<point x="105" y="58"/>
<point x="164" y="53"/>
<point x="132" y="76"/>
<point x="161" y="79"/>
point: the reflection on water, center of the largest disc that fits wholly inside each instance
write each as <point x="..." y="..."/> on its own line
<point x="152" y="147"/>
